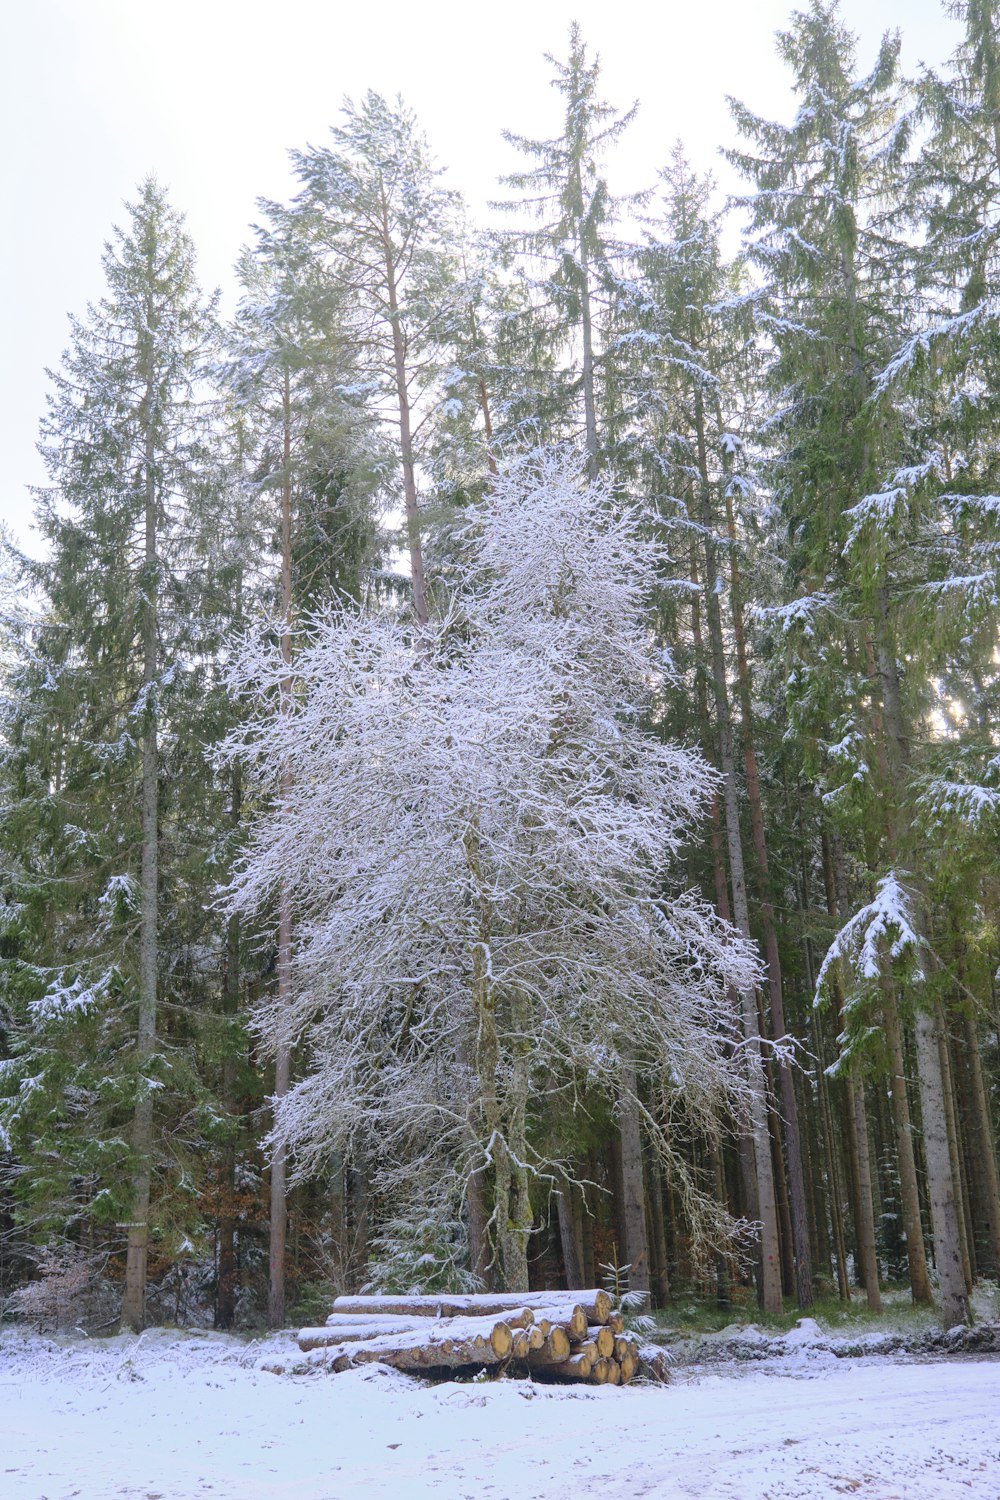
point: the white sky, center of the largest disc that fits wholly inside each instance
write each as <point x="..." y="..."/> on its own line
<point x="210" y="94"/>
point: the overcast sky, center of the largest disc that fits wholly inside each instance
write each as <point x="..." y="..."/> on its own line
<point x="210" y="94"/>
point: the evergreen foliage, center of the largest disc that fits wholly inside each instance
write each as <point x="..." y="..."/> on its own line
<point x="509" y="725"/>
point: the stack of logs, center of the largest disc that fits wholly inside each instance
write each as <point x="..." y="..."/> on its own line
<point x="553" y="1335"/>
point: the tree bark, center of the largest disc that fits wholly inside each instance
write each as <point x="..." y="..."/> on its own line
<point x="772" y="1299"/>
<point x="856" y="1115"/>
<point x="587" y="338"/>
<point x="225" y="1293"/>
<point x="866" y="1219"/>
<point x="577" y="1309"/>
<point x="414" y="539"/>
<point x="134" y="1301"/>
<point x="789" y="1106"/>
<point x="985" y="1150"/>
<point x="955" y="1154"/>
<point x="659" y="1272"/>
<point x="940" y="1182"/>
<point x="633" y="1185"/>
<point x="572" y="1249"/>
<point x="278" y="1210"/>
<point x="916" y="1254"/>
<point x="504" y="1126"/>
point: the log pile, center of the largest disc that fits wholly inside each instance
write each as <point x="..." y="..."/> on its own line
<point x="549" y="1335"/>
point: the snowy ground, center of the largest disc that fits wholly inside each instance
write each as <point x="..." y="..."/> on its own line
<point x="174" y="1416"/>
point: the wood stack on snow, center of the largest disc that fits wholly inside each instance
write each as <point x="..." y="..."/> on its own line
<point x="558" y="1335"/>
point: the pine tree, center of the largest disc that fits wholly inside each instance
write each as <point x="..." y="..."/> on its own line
<point x="372" y="211"/>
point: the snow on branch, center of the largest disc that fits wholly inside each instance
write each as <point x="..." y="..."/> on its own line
<point x="798" y="614"/>
<point x="478" y="838"/>
<point x="885" y="928"/>
<point x="969" y="801"/>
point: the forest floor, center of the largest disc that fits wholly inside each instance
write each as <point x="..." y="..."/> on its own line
<point x="176" y="1415"/>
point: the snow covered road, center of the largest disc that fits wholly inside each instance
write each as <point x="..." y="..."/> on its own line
<point x="186" y="1417"/>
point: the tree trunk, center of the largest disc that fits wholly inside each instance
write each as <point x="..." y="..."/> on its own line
<point x="836" y="1206"/>
<point x="856" y="1115"/>
<point x="955" y="1154"/>
<point x="134" y="1301"/>
<point x="985" y="1150"/>
<point x="278" y="1211"/>
<point x="577" y="1310"/>
<point x="932" y="1094"/>
<point x="865" y="1224"/>
<point x="587" y="337"/>
<point x="569" y="1237"/>
<point x="786" y="1083"/>
<point x="772" y="1299"/>
<point x="659" y="1272"/>
<point x="414" y="540"/>
<point x="587" y="1235"/>
<point x="940" y="1182"/>
<point x="920" y="1282"/>
<point x="633" y="1186"/>
<point x="225" y="1292"/>
<point x="504" y="1125"/>
<point x="478" y="1342"/>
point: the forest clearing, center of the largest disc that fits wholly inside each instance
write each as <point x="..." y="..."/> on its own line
<point x="174" y="1415"/>
<point x="499" y="810"/>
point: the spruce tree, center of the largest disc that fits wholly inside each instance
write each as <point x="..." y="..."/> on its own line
<point x="313" y="467"/>
<point x="572" y="262"/>
<point x="92" y="738"/>
<point x="823" y="232"/>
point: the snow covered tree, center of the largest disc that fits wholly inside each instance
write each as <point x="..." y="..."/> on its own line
<point x="315" y="450"/>
<point x="478" y="839"/>
<point x="936" y="518"/>
<point x="570" y="262"/>
<point x="373" y="212"/>
<point x="101" y="700"/>
<point x="690" y="360"/>
<point x="824" y="232"/>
